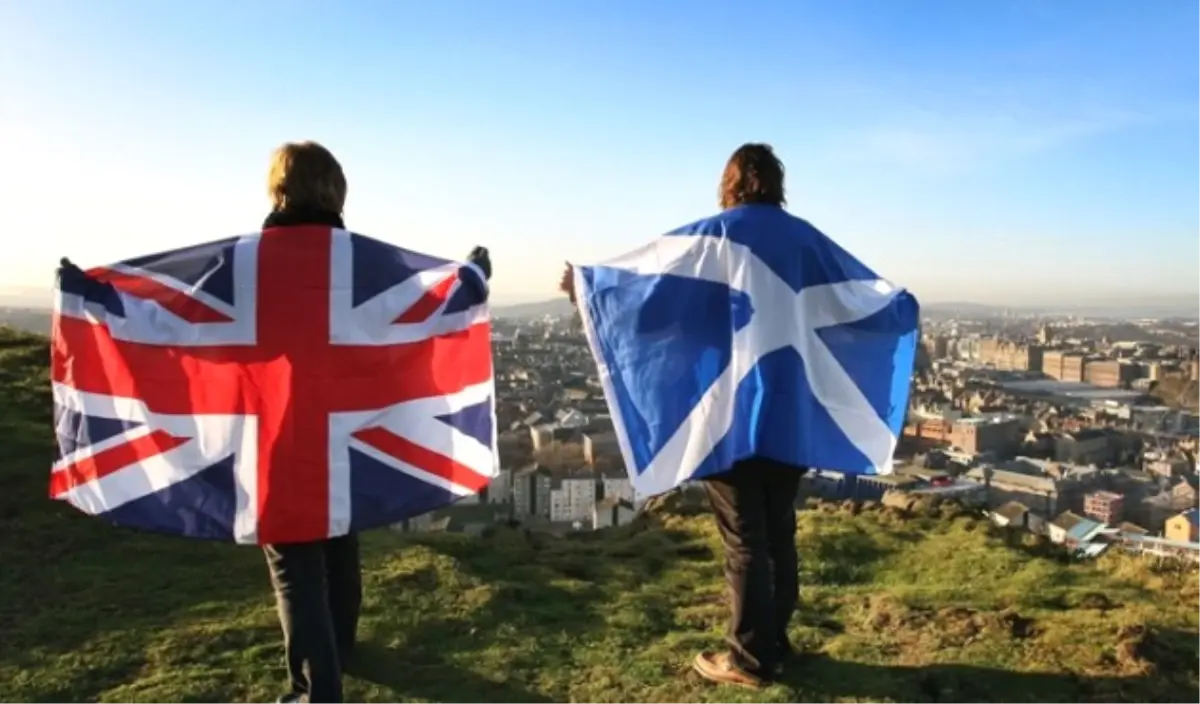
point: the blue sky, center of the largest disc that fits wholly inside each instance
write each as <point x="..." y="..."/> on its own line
<point x="990" y="151"/>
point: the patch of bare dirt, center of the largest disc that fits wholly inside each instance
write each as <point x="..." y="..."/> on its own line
<point x="1018" y="626"/>
<point x="953" y="626"/>
<point x="1147" y="650"/>
<point x="1096" y="601"/>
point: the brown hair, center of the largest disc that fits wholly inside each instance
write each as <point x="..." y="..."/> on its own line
<point x="752" y="175"/>
<point x="305" y="176"/>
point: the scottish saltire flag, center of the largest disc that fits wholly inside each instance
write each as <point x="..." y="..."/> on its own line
<point x="289" y="385"/>
<point x="749" y="333"/>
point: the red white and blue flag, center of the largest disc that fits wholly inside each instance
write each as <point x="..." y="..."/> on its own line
<point x="291" y="385"/>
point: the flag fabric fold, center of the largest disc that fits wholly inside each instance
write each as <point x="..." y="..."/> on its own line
<point x="290" y="385"/>
<point x="749" y="333"/>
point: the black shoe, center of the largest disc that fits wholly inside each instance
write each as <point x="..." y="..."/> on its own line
<point x="348" y="658"/>
<point x="786" y="656"/>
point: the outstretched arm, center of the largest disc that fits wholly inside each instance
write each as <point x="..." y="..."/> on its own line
<point x="567" y="283"/>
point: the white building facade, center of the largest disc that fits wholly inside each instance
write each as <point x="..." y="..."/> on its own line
<point x="573" y="499"/>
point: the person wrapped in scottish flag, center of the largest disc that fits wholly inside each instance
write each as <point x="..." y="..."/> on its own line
<point x="739" y="351"/>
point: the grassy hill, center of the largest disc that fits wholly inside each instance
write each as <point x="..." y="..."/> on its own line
<point x="935" y="608"/>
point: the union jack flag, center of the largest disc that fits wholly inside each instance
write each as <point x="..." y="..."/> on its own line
<point x="290" y="385"/>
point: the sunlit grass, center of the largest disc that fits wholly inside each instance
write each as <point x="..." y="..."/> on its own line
<point x="894" y="609"/>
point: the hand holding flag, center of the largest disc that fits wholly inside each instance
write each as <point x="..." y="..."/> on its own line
<point x="567" y="283"/>
<point x="480" y="258"/>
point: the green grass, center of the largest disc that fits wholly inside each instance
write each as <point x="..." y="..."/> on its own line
<point x="932" y="608"/>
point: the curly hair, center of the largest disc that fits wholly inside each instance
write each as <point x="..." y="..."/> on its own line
<point x="752" y="175"/>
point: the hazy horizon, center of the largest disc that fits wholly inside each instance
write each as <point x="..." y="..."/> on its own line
<point x="35" y="298"/>
<point x="1006" y="152"/>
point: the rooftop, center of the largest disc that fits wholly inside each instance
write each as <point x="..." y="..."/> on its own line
<point x="1070" y="389"/>
<point x="611" y="502"/>
<point x="1085" y="530"/>
<point x="531" y="469"/>
<point x="896" y="479"/>
<point x="961" y="487"/>
<point x="988" y="419"/>
<point x="1013" y="510"/>
<point x="1067" y="520"/>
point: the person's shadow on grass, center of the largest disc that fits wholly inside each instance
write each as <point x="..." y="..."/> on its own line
<point x="821" y="678"/>
<point x="409" y="675"/>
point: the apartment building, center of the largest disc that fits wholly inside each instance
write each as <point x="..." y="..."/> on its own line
<point x="531" y="492"/>
<point x="573" y="497"/>
<point x="611" y="512"/>
<point x="978" y="435"/>
<point x="1104" y="506"/>
<point x="1109" y="373"/>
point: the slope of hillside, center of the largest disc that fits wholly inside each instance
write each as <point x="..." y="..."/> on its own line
<point x="1178" y="392"/>
<point x="933" y="608"/>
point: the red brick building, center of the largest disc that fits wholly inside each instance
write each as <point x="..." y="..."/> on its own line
<point x="927" y="434"/>
<point x="1104" y="506"/>
<point x="1003" y="354"/>
<point x="978" y="435"/>
<point x="1108" y="373"/>
<point x="1072" y="367"/>
<point x="1052" y="364"/>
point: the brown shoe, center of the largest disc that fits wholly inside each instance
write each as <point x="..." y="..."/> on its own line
<point x="721" y="669"/>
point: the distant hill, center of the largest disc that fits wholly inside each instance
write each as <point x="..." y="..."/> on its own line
<point x="26" y="296"/>
<point x="1167" y="307"/>
<point x="962" y="307"/>
<point x="940" y="607"/>
<point x="555" y="307"/>
<point x="35" y="320"/>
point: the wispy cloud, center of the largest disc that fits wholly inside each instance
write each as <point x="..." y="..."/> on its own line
<point x="1024" y="99"/>
<point x="953" y="141"/>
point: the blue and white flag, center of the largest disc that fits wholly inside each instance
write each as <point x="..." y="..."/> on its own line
<point x="749" y="333"/>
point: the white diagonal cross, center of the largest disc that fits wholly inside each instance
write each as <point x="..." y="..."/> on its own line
<point x="782" y="318"/>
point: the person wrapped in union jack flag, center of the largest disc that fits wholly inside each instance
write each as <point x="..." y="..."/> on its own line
<point x="307" y="522"/>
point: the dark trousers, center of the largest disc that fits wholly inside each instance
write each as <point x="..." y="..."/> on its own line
<point x="318" y="587"/>
<point x="755" y="507"/>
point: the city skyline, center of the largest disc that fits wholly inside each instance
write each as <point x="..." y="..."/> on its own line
<point x="1007" y="153"/>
